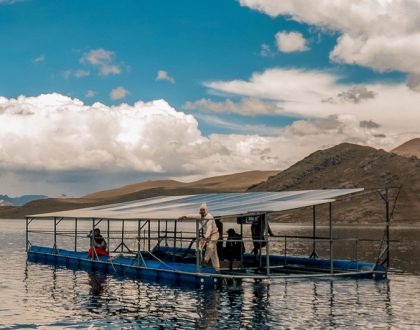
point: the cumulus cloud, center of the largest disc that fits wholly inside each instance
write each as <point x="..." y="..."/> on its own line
<point x="38" y="59"/>
<point x="305" y="92"/>
<point x="238" y="127"/>
<point x="67" y="134"/>
<point x="10" y="2"/>
<point x="413" y="82"/>
<point x="284" y="85"/>
<point x="369" y="124"/>
<point x="246" y="107"/>
<point x="102" y="59"/>
<point x="79" y="147"/>
<point x="382" y="35"/>
<point x="90" y="93"/>
<point x="288" y="42"/>
<point x="76" y="73"/>
<point x="163" y="75"/>
<point x="266" y="51"/>
<point x="356" y="94"/>
<point x="118" y="93"/>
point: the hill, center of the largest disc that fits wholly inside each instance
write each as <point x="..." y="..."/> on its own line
<point x="349" y="166"/>
<point x="409" y="149"/>
<point x="20" y="200"/>
<point x="227" y="183"/>
<point x="233" y="182"/>
<point x="5" y="203"/>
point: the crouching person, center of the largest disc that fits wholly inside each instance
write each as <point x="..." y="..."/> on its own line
<point x="234" y="246"/>
<point x="98" y="243"/>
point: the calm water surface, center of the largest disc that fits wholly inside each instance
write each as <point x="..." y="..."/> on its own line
<point x="36" y="296"/>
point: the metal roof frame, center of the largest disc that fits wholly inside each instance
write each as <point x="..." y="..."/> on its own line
<point x="219" y="204"/>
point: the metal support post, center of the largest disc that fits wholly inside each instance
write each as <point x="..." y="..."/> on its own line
<point x="107" y="236"/>
<point x="386" y="260"/>
<point x="138" y="240"/>
<point x="122" y="235"/>
<point x="331" y="239"/>
<point x="267" y="248"/>
<point x="387" y="227"/>
<point x="285" y="250"/>
<point x="27" y="234"/>
<point x="75" y="234"/>
<point x="166" y="232"/>
<point x="158" y="244"/>
<point x="197" y="247"/>
<point x="175" y="228"/>
<point x="242" y="250"/>
<point x="92" y="245"/>
<point x="55" y="233"/>
<point x="148" y="229"/>
<point x="313" y="254"/>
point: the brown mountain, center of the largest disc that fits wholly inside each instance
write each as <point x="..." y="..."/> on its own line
<point x="232" y="182"/>
<point x="409" y="149"/>
<point x="227" y="183"/>
<point x="348" y="166"/>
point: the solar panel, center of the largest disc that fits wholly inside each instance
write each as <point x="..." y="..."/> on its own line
<point x="219" y="204"/>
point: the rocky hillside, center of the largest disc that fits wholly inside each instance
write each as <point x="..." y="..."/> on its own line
<point x="409" y="149"/>
<point x="348" y="166"/>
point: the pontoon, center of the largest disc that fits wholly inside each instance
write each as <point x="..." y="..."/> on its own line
<point x="147" y="240"/>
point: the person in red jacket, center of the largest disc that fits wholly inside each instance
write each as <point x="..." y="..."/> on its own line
<point x="98" y="242"/>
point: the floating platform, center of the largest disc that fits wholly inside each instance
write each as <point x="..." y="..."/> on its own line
<point x="160" y="238"/>
<point x="280" y="267"/>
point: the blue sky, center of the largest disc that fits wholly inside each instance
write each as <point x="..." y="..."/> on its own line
<point x="221" y="61"/>
<point x="194" y="41"/>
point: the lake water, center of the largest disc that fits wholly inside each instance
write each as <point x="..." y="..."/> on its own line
<point x="36" y="296"/>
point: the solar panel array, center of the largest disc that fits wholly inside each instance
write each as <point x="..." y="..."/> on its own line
<point x="219" y="204"/>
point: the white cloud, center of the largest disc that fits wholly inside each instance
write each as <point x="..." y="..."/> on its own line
<point x="118" y="93"/>
<point x="103" y="59"/>
<point x="288" y="42"/>
<point x="67" y="134"/>
<point x="247" y="129"/>
<point x="38" y="59"/>
<point x="90" y="93"/>
<point x="10" y="2"/>
<point x="79" y="147"/>
<point x="163" y="75"/>
<point x="266" y="51"/>
<point x="246" y="107"/>
<point x="284" y="85"/>
<point x="381" y="34"/>
<point x="320" y="94"/>
<point x="76" y="73"/>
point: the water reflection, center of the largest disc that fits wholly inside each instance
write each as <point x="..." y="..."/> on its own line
<point x="99" y="299"/>
<point x="208" y="309"/>
<point x="44" y="296"/>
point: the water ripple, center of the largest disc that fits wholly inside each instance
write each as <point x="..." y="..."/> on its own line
<point x="47" y="297"/>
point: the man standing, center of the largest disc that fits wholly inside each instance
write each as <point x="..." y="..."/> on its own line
<point x="210" y="235"/>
